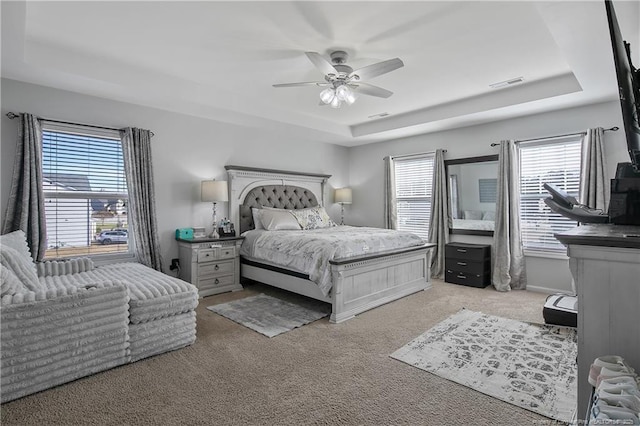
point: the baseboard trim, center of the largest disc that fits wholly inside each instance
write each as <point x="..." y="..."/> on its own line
<point x="546" y="290"/>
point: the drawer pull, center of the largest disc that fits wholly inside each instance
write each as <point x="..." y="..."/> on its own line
<point x="217" y="281"/>
<point x="461" y="250"/>
<point x="216" y="267"/>
<point x="207" y="255"/>
<point x="462" y="276"/>
<point x="226" y="253"/>
<point x="462" y="263"/>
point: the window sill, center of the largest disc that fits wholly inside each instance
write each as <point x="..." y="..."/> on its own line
<point x="546" y="254"/>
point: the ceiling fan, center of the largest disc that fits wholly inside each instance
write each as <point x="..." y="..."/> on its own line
<point x="342" y="81"/>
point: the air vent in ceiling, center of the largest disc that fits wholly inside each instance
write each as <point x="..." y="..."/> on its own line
<point x="506" y="83"/>
<point x="382" y="114"/>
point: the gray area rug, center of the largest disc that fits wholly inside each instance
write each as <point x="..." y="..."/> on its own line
<point x="271" y="316"/>
<point x="529" y="365"/>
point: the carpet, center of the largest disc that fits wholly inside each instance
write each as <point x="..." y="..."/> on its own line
<point x="269" y="315"/>
<point x="529" y="365"/>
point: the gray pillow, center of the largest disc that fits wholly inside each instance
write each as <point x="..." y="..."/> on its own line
<point x="489" y="216"/>
<point x="22" y="266"/>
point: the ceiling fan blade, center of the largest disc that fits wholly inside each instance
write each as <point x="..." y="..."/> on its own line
<point x="321" y="63"/>
<point x="370" y="71"/>
<point x="305" y="83"/>
<point x="371" y="90"/>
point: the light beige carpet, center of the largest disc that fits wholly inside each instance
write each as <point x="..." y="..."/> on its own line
<point x="320" y="373"/>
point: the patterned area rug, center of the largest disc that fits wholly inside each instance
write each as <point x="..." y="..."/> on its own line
<point x="529" y="365"/>
<point x="270" y="316"/>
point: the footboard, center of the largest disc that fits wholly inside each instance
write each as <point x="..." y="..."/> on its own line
<point x="363" y="283"/>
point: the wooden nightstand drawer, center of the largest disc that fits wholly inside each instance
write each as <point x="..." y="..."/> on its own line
<point x="212" y="282"/>
<point x="206" y="255"/>
<point x="215" y="268"/>
<point x="227" y="253"/>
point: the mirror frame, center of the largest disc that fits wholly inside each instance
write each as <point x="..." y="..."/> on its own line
<point x="468" y="160"/>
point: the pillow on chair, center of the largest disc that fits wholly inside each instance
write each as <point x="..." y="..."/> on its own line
<point x="21" y="266"/>
<point x="17" y="240"/>
<point x="9" y="283"/>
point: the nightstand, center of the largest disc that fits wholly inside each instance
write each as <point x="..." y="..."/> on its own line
<point x="212" y="265"/>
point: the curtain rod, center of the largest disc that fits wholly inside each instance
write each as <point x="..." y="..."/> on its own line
<point x="393" y="157"/>
<point x="13" y="115"/>
<point x="613" y="129"/>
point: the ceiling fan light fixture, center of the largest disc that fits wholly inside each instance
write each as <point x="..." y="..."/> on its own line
<point x="327" y="95"/>
<point x="335" y="102"/>
<point x="342" y="92"/>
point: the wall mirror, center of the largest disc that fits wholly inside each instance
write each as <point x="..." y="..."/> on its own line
<point x="472" y="185"/>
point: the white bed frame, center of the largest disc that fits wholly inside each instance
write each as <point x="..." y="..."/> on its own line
<point x="359" y="284"/>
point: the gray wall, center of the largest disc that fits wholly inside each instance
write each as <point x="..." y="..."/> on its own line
<point x="366" y="167"/>
<point x="185" y="150"/>
<point x="188" y="149"/>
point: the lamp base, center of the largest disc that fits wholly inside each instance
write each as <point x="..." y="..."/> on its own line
<point x="214" y="233"/>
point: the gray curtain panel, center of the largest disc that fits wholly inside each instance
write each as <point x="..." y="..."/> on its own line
<point x="440" y="216"/>
<point x="25" y="209"/>
<point x="136" y="149"/>
<point x="594" y="182"/>
<point x="390" y="214"/>
<point x="508" y="257"/>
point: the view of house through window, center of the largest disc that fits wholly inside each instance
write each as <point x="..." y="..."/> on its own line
<point x="85" y="191"/>
<point x="555" y="161"/>
<point x="414" y="180"/>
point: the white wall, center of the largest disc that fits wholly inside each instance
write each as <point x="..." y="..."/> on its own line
<point x="185" y="150"/>
<point x="366" y="167"/>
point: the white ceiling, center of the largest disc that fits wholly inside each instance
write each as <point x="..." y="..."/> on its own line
<point x="220" y="59"/>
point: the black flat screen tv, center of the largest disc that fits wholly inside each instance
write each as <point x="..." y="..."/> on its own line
<point x="628" y="86"/>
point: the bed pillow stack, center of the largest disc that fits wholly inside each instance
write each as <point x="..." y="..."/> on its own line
<point x="273" y="219"/>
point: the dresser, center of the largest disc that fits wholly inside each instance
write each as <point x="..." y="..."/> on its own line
<point x="212" y="265"/>
<point x="605" y="264"/>
<point x="468" y="264"/>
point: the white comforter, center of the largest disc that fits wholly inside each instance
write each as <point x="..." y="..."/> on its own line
<point x="310" y="251"/>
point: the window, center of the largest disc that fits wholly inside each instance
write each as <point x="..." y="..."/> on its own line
<point x="555" y="161"/>
<point x="85" y="191"/>
<point x="414" y="179"/>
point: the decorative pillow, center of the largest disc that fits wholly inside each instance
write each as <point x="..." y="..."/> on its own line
<point x="313" y="218"/>
<point x="257" y="218"/>
<point x="489" y="216"/>
<point x="22" y="266"/>
<point x="279" y="220"/>
<point x="9" y="283"/>
<point x="17" y="240"/>
<point x="473" y="214"/>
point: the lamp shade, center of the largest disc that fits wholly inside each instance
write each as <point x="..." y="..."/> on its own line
<point x="343" y="196"/>
<point x="214" y="190"/>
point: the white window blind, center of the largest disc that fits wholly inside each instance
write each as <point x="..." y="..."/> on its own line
<point x="85" y="191"/>
<point x="555" y="161"/>
<point x="414" y="181"/>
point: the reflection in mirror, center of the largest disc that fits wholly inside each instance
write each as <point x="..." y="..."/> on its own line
<point x="472" y="193"/>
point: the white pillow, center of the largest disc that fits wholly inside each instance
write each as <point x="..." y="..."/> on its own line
<point x="257" y="218"/>
<point x="489" y="216"/>
<point x="17" y="240"/>
<point x="313" y="218"/>
<point x="473" y="214"/>
<point x="279" y="220"/>
<point x="21" y="266"/>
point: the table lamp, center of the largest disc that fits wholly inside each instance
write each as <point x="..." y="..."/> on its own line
<point x="214" y="191"/>
<point x="343" y="196"/>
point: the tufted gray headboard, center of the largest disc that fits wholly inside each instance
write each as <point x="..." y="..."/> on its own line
<point x="277" y="196"/>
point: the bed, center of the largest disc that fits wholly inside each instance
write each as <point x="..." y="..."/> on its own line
<point x="359" y="282"/>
